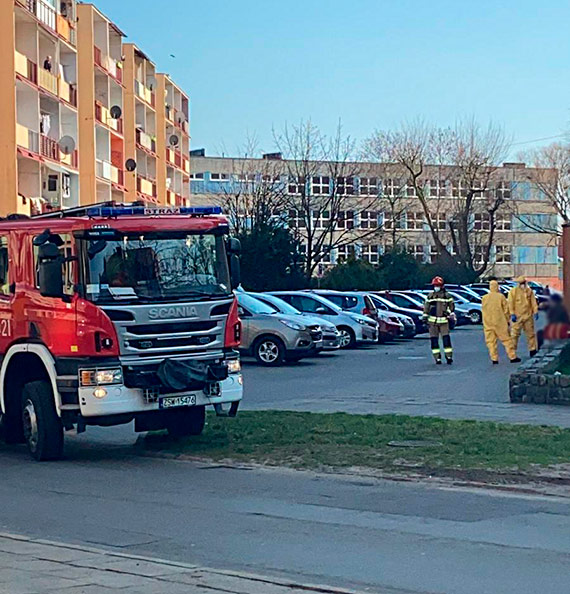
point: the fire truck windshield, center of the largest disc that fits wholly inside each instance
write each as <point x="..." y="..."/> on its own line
<point x="156" y="268"/>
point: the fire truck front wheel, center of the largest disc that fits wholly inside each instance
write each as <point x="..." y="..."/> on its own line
<point x="186" y="422"/>
<point x="42" y="427"/>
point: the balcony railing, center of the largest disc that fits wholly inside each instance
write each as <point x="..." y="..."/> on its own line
<point x="66" y="29"/>
<point x="26" y="68"/>
<point x="186" y="165"/>
<point x="103" y="115"/>
<point x="47" y="81"/>
<point x="72" y="159"/>
<point x="27" y="138"/>
<point x="146" y="186"/>
<point x="146" y="141"/>
<point x="110" y="65"/>
<point x="49" y="148"/>
<point x="145" y="93"/>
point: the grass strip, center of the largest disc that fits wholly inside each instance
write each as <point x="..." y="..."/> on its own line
<point x="340" y="440"/>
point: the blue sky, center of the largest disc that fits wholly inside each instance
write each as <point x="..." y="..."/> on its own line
<point x="250" y="65"/>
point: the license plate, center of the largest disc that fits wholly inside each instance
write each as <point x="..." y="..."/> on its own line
<point x="173" y="401"/>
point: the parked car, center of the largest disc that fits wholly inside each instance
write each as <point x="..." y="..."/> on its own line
<point x="331" y="336"/>
<point x="414" y="313"/>
<point x="272" y="337"/>
<point x="354" y="328"/>
<point x="469" y="295"/>
<point x="481" y="291"/>
<point x="389" y="327"/>
<point x="457" y="318"/>
<point x="473" y="309"/>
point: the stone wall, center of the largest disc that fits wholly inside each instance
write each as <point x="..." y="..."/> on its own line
<point x="536" y="380"/>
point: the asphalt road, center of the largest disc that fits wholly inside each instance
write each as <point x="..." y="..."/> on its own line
<point x="400" y="378"/>
<point x="374" y="536"/>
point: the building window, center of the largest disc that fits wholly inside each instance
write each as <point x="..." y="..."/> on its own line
<point x="437" y="187"/>
<point x="320" y="185"/>
<point x="4" y="284"/>
<point x="439" y="221"/>
<point x="481" y="222"/>
<point x="295" y="186"/>
<point x="503" y="190"/>
<point x="503" y="222"/>
<point x="410" y="192"/>
<point x="197" y="176"/>
<point x="345" y="186"/>
<point x="219" y="177"/>
<point x="458" y="189"/>
<point x="478" y="254"/>
<point x="371" y="253"/>
<point x="390" y="222"/>
<point x="369" y="186"/>
<point x="368" y="219"/>
<point x="246" y="177"/>
<point x="503" y="254"/>
<point x="344" y="252"/>
<point x="321" y="219"/>
<point x="433" y="253"/>
<point x="346" y="219"/>
<point x="417" y="251"/>
<point x="392" y="187"/>
<point x="415" y="221"/>
<point x="296" y="220"/>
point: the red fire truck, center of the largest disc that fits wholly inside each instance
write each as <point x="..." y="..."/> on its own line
<point x="113" y="313"/>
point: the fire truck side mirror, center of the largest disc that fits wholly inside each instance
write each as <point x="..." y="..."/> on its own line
<point x="235" y="271"/>
<point x="50" y="273"/>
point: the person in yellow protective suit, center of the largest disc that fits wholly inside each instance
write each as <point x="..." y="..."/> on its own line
<point x="524" y="311"/>
<point x="496" y="324"/>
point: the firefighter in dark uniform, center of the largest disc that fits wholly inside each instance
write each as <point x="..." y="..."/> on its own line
<point x="438" y="307"/>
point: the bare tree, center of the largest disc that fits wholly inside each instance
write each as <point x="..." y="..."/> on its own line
<point x="256" y="195"/>
<point x="322" y="194"/>
<point x="452" y="173"/>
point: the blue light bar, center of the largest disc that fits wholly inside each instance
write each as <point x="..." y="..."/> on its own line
<point x="138" y="211"/>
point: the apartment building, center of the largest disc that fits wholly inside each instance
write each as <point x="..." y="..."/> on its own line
<point x="101" y="105"/>
<point x="156" y="132"/>
<point x="380" y="210"/>
<point x="86" y="117"/>
<point x="39" y="152"/>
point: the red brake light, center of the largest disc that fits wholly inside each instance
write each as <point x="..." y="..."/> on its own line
<point x="232" y="337"/>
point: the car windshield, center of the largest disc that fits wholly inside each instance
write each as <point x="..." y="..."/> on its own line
<point x="156" y="268"/>
<point x="255" y="305"/>
<point x="279" y="304"/>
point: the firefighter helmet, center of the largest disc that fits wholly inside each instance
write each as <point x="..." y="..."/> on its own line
<point x="437" y="281"/>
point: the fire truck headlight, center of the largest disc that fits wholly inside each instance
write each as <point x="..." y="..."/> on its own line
<point x="234" y="366"/>
<point x="101" y="377"/>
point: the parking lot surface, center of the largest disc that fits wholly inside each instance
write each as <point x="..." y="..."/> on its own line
<point x="400" y="378"/>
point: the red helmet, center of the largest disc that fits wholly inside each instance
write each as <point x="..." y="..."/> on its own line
<point x="437" y="281"/>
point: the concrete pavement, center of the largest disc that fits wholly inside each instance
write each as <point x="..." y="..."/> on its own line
<point x="345" y="532"/>
<point x="400" y="378"/>
<point x="29" y="566"/>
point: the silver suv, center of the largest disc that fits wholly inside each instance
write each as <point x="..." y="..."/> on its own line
<point x="331" y="336"/>
<point x="354" y="328"/>
<point x="272" y="337"/>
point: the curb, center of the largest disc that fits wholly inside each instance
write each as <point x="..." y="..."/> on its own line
<point x="238" y="575"/>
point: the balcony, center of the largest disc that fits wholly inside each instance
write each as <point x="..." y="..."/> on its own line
<point x="48" y="81"/>
<point x="26" y="68"/>
<point x="186" y="165"/>
<point x="49" y="148"/>
<point x="43" y="11"/>
<point x="146" y="186"/>
<point x="66" y="30"/>
<point x="103" y="116"/>
<point x="67" y="92"/>
<point x="109" y="172"/>
<point x="169" y="113"/>
<point x="146" y="141"/>
<point x="27" y="138"/>
<point x="72" y="160"/>
<point x="108" y="64"/>
<point x="145" y="93"/>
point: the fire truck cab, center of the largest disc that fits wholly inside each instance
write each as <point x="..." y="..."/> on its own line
<point x="114" y="313"/>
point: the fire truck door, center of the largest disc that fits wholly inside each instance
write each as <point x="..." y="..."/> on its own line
<point x="6" y="297"/>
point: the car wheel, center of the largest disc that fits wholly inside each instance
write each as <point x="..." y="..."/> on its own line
<point x="43" y="430"/>
<point x="475" y="317"/>
<point x="269" y="351"/>
<point x="185" y="422"/>
<point x="347" y="338"/>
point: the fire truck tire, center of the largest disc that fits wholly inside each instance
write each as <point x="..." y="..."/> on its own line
<point x="42" y="427"/>
<point x="186" y="422"/>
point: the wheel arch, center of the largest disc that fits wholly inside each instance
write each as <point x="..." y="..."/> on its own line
<point x="24" y="363"/>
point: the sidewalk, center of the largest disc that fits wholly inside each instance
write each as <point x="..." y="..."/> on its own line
<point x="29" y="566"/>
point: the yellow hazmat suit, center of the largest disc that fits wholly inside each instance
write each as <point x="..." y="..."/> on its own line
<point x="496" y="322"/>
<point x="523" y="307"/>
